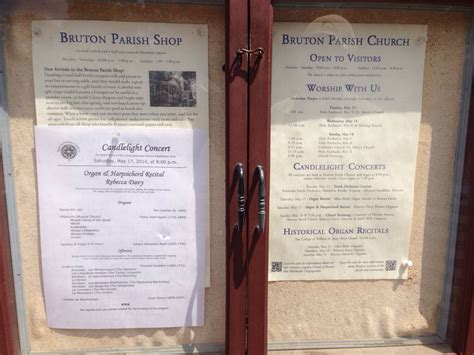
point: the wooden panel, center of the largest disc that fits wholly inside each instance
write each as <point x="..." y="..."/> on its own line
<point x="446" y="3"/>
<point x="236" y="142"/>
<point x="261" y="18"/>
<point x="461" y="323"/>
<point x="21" y="99"/>
<point x="258" y="139"/>
<point x="9" y="339"/>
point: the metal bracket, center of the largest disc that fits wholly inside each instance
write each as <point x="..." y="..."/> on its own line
<point x="259" y="51"/>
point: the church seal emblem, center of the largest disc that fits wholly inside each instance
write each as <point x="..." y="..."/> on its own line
<point x="68" y="150"/>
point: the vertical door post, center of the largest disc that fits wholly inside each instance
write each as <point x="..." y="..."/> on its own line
<point x="9" y="337"/>
<point x="461" y="321"/>
<point x="261" y="18"/>
<point x="236" y="153"/>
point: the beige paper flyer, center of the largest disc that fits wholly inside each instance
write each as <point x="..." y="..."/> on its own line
<point x="103" y="73"/>
<point x="121" y="74"/>
<point x="346" y="110"/>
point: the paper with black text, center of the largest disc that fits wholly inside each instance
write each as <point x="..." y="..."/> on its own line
<point x="123" y="222"/>
<point x="346" y="111"/>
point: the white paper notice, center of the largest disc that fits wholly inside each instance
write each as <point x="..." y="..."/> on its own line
<point x="346" y="109"/>
<point x="123" y="221"/>
<point x="104" y="73"/>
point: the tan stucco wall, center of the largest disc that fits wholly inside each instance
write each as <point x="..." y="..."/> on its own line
<point x="22" y="119"/>
<point x="297" y="310"/>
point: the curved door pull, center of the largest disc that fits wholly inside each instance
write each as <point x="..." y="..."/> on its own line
<point x="261" y="198"/>
<point x="239" y="173"/>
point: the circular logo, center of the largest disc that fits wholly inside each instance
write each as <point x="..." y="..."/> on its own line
<point x="68" y="150"/>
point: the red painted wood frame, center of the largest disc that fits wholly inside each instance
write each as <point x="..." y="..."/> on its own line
<point x="9" y="339"/>
<point x="248" y="125"/>
<point x="248" y="139"/>
<point x="261" y="20"/>
<point x="236" y="68"/>
<point x="462" y="308"/>
<point x="413" y="3"/>
<point x="461" y="321"/>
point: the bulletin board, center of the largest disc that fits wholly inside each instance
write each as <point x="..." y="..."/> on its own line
<point x="321" y="310"/>
<point x="298" y="310"/>
<point x="22" y="118"/>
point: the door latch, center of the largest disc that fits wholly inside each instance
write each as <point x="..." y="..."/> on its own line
<point x="258" y="51"/>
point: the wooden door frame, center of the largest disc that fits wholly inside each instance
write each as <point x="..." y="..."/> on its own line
<point x="9" y="334"/>
<point x="9" y="337"/>
<point x="261" y="21"/>
<point x="247" y="273"/>
<point x="460" y="335"/>
<point x="461" y="323"/>
<point x="236" y="70"/>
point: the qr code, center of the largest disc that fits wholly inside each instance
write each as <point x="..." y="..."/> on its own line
<point x="390" y="265"/>
<point x="276" y="266"/>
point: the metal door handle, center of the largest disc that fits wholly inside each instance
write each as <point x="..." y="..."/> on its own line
<point x="239" y="172"/>
<point x="261" y="198"/>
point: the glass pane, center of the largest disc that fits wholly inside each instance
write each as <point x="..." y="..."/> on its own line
<point x="366" y="132"/>
<point x="122" y="64"/>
